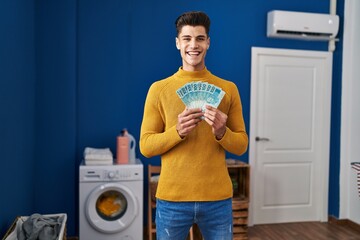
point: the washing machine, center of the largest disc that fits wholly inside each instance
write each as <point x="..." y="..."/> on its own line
<point x="111" y="202"/>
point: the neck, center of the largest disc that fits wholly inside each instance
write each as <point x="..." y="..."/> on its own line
<point x="191" y="68"/>
<point x="182" y="73"/>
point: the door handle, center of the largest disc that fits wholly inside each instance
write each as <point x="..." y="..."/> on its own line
<point x="261" y="139"/>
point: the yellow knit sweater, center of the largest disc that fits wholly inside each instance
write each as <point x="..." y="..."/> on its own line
<point x="193" y="168"/>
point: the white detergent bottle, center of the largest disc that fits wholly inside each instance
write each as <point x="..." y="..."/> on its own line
<point x="132" y="146"/>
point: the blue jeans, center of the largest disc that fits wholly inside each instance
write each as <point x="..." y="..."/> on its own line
<point x="174" y="219"/>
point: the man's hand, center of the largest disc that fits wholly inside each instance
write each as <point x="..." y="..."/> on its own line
<point x="217" y="120"/>
<point x="188" y="120"/>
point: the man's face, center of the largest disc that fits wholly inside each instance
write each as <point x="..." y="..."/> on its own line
<point x="193" y="43"/>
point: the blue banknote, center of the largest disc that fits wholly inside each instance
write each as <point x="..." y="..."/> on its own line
<point x="198" y="94"/>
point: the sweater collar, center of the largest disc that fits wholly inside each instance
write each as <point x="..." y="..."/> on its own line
<point x="196" y="74"/>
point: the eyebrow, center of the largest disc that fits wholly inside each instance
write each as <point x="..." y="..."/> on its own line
<point x="198" y="36"/>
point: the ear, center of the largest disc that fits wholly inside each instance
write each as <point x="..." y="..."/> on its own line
<point x="208" y="42"/>
<point x="177" y="43"/>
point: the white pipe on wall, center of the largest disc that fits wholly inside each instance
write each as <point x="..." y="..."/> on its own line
<point x="332" y="6"/>
<point x="333" y="12"/>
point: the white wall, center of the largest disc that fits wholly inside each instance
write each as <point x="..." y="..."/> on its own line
<point x="350" y="117"/>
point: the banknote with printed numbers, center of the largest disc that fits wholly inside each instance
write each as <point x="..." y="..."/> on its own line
<point x="198" y="94"/>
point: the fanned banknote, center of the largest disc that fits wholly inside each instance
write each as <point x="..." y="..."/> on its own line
<point x="198" y="94"/>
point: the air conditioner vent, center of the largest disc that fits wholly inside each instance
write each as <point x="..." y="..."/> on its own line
<point x="304" y="34"/>
<point x="302" y="25"/>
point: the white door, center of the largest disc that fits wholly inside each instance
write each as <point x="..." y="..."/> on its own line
<point x="289" y="135"/>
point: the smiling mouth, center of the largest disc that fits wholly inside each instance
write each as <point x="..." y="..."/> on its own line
<point x="193" y="53"/>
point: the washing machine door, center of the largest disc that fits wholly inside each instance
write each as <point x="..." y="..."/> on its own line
<point x="111" y="208"/>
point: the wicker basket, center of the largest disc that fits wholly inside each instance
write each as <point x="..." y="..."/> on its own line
<point x="62" y="233"/>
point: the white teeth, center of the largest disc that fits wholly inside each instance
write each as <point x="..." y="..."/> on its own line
<point x="194" y="53"/>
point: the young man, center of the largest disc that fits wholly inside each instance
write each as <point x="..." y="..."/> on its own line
<point x="194" y="184"/>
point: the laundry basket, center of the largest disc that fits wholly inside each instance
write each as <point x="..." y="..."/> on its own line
<point x="11" y="232"/>
<point x="356" y="167"/>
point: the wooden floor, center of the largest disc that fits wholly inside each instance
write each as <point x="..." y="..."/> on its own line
<point x="303" y="231"/>
<point x="299" y="231"/>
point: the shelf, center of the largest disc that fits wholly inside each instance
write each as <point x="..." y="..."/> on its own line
<point x="240" y="175"/>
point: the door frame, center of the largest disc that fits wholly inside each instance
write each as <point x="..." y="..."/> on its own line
<point x="349" y="204"/>
<point x="256" y="52"/>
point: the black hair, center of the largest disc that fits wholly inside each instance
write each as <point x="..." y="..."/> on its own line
<point x="193" y="18"/>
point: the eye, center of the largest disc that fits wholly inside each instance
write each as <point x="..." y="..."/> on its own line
<point x="201" y="39"/>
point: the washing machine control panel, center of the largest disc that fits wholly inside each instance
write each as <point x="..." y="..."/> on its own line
<point x="118" y="175"/>
<point x="110" y="174"/>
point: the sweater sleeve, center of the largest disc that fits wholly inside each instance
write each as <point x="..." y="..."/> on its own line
<point x="235" y="139"/>
<point x="154" y="140"/>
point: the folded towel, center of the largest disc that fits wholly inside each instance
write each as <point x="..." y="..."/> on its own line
<point x="98" y="162"/>
<point x="98" y="154"/>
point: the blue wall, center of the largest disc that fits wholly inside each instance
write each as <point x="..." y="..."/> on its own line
<point x="17" y="109"/>
<point x="74" y="73"/>
<point x="55" y="114"/>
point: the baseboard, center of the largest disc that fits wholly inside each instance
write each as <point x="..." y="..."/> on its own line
<point x="344" y="222"/>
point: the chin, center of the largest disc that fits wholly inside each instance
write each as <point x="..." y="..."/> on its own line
<point x="195" y="63"/>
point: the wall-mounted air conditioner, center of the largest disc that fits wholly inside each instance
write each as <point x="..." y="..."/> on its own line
<point x="302" y="25"/>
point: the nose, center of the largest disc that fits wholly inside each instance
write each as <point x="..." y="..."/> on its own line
<point x="194" y="44"/>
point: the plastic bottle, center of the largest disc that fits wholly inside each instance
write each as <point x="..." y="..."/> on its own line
<point x="132" y="146"/>
<point x="122" y="148"/>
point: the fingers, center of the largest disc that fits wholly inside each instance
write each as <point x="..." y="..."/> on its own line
<point x="214" y="116"/>
<point x="191" y="112"/>
<point x="210" y="113"/>
<point x="188" y="120"/>
<point x="217" y="120"/>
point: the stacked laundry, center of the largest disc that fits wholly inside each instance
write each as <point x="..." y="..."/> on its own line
<point x="98" y="156"/>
